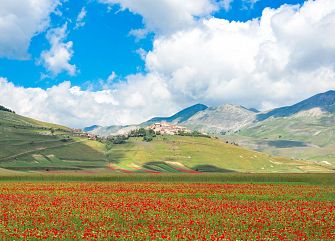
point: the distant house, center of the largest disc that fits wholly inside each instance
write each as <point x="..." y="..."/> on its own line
<point x="77" y="130"/>
<point x="80" y="133"/>
<point x="165" y="128"/>
<point x="92" y="137"/>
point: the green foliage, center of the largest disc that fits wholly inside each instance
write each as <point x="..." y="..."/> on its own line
<point x="138" y="133"/>
<point x="2" y="108"/>
<point x="148" y="138"/>
<point x="193" y="134"/>
<point x="148" y="135"/>
<point x="115" y="140"/>
<point x="294" y="179"/>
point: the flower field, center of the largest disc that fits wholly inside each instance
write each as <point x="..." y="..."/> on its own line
<point x="162" y="211"/>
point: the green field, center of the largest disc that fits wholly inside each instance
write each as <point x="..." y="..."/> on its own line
<point x="30" y="145"/>
<point x="201" y="154"/>
<point x="304" y="137"/>
<point x="327" y="179"/>
<point x="149" y="207"/>
<point x="33" y="146"/>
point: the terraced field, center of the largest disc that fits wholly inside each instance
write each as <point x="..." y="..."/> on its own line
<point x="30" y="145"/>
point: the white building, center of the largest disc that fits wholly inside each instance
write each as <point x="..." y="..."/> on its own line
<point x="165" y="128"/>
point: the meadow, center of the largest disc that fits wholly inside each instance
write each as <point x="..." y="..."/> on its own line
<point x="28" y="145"/>
<point x="173" y="153"/>
<point x="192" y="207"/>
<point x="57" y="186"/>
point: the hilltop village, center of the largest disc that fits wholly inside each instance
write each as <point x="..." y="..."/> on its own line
<point x="164" y="128"/>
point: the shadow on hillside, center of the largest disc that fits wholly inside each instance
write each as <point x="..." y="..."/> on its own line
<point x="286" y="144"/>
<point x="159" y="167"/>
<point x="211" y="168"/>
<point x="62" y="156"/>
<point x="115" y="157"/>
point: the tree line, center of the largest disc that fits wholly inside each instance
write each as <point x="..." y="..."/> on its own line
<point x="2" y="108"/>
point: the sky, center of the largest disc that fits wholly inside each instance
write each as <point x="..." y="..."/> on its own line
<point x="118" y="62"/>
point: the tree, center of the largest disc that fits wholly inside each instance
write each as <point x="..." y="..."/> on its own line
<point x="2" y="108"/>
<point x="119" y="140"/>
<point x="148" y="138"/>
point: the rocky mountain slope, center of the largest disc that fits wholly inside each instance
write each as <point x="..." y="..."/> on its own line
<point x="221" y="119"/>
<point x="324" y="101"/>
<point x="180" y="117"/>
<point x="227" y="119"/>
<point x="304" y="130"/>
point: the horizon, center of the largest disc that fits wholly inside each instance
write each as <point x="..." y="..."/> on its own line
<point x="257" y="112"/>
<point x="116" y="62"/>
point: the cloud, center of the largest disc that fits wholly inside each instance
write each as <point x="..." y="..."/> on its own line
<point x="111" y="77"/>
<point x="167" y="16"/>
<point x="80" y="18"/>
<point x="226" y="4"/>
<point x="139" y="33"/>
<point x="283" y="57"/>
<point x="56" y="60"/>
<point x="249" y="4"/>
<point x="126" y="102"/>
<point x="20" y="21"/>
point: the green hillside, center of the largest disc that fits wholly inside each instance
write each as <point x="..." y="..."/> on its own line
<point x="300" y="136"/>
<point x="30" y="145"/>
<point x="13" y="120"/>
<point x="168" y="153"/>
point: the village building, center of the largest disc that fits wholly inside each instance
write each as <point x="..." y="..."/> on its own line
<point x="165" y="128"/>
<point x="80" y="133"/>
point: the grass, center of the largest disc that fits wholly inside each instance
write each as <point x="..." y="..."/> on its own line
<point x="318" y="133"/>
<point x="201" y="154"/>
<point x="29" y="145"/>
<point x="165" y="211"/>
<point x="11" y="119"/>
<point x="305" y="178"/>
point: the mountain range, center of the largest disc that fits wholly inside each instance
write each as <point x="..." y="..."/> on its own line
<point x="230" y="118"/>
<point x="303" y="130"/>
<point x="297" y="138"/>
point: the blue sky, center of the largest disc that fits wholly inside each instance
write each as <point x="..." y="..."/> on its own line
<point x="117" y="62"/>
<point x="104" y="44"/>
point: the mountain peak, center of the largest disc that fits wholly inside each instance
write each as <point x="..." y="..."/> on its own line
<point x="232" y="107"/>
<point x="91" y="128"/>
<point x="179" y="117"/>
<point x="324" y="101"/>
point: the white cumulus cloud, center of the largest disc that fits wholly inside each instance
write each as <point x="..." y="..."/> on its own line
<point x="284" y="56"/>
<point x="57" y="59"/>
<point x="127" y="102"/>
<point x="167" y="16"/>
<point x="20" y="21"/>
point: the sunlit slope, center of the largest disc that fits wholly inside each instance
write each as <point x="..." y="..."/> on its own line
<point x="201" y="154"/>
<point x="27" y="145"/>
<point x="309" y="136"/>
<point x="11" y="119"/>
